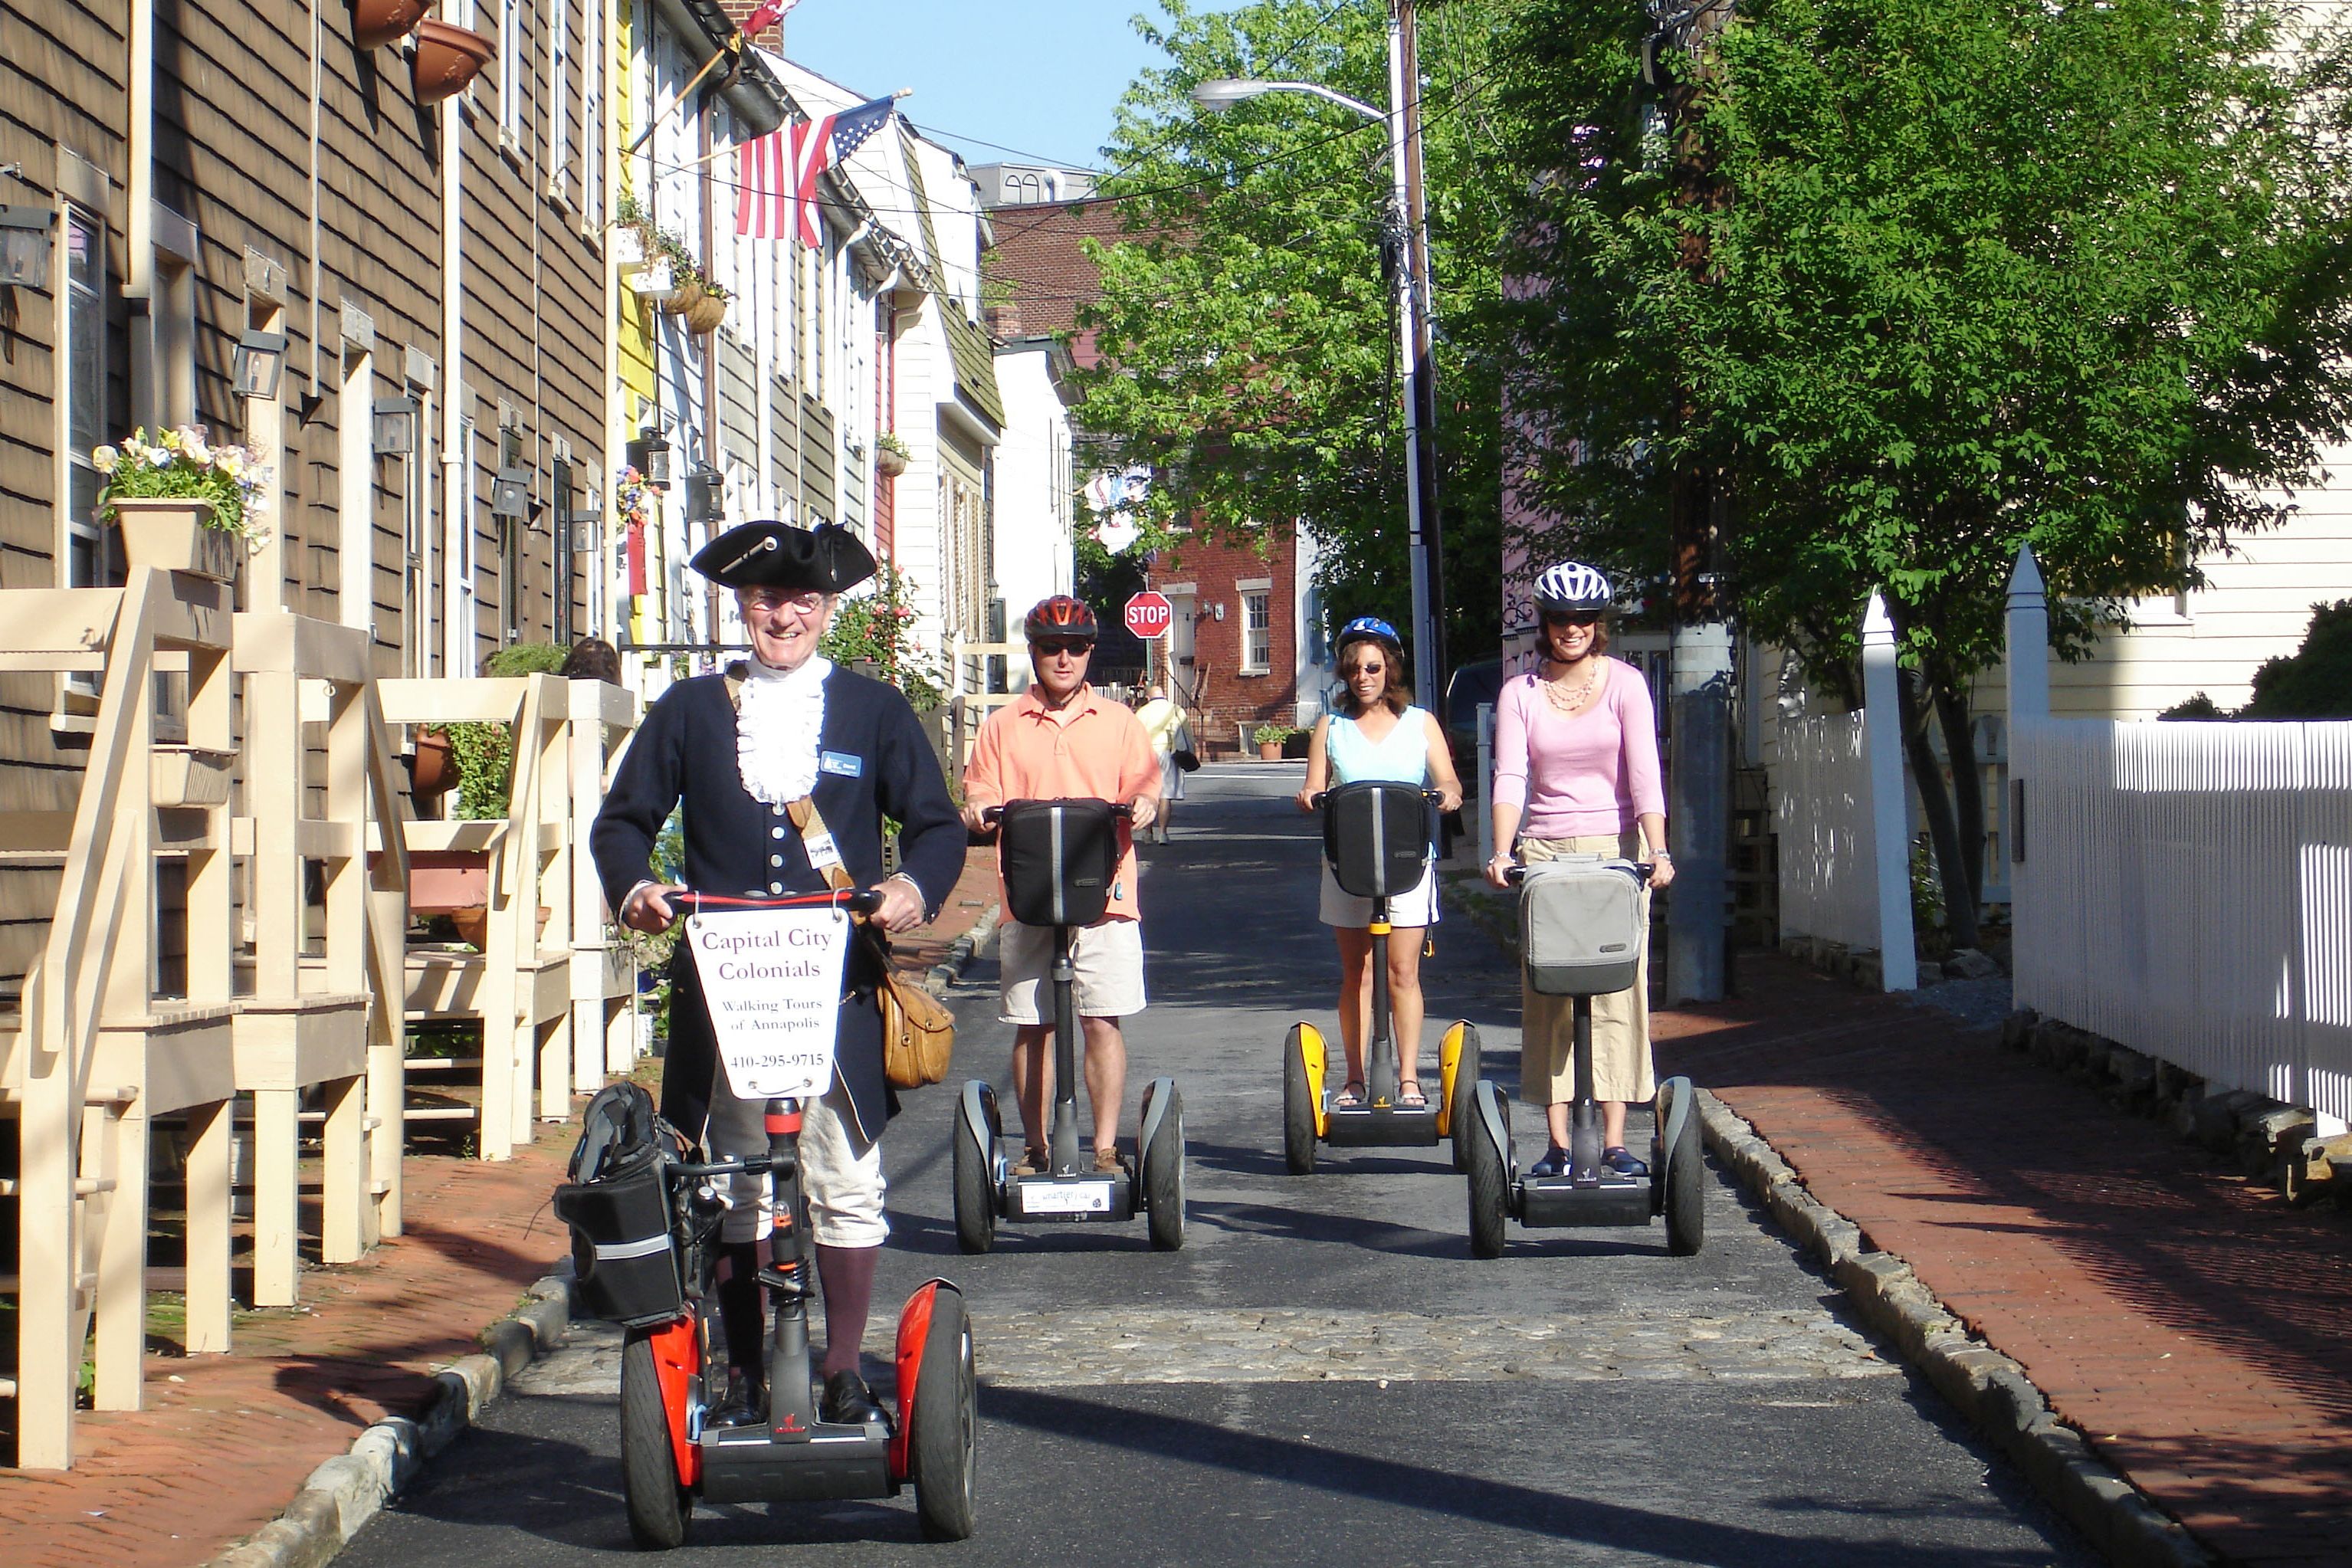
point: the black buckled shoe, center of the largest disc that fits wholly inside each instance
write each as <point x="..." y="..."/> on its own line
<point x="742" y="1406"/>
<point x="847" y="1401"/>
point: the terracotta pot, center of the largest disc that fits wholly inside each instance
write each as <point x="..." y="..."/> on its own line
<point x="175" y="533"/>
<point x="682" y="298"/>
<point x="448" y="58"/>
<point x="473" y="925"/>
<point x="889" y="464"/>
<point x="433" y="771"/>
<point x="703" y="318"/>
<point x="447" y="881"/>
<point x="1269" y="751"/>
<point x="375" y="23"/>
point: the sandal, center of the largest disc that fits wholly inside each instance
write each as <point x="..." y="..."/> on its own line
<point x="1350" y="1097"/>
<point x="1409" y="1096"/>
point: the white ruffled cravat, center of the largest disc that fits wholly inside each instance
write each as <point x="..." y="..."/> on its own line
<point x="779" y="727"/>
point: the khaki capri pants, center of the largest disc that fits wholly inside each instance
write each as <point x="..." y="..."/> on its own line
<point x="1621" y="1021"/>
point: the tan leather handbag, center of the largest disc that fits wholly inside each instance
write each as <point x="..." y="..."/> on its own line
<point x="918" y="1030"/>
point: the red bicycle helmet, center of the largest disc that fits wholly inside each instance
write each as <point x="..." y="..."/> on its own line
<point x="1060" y="616"/>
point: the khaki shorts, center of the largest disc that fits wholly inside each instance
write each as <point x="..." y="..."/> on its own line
<point x="1621" y="1021"/>
<point x="841" y="1172"/>
<point x="1109" y="958"/>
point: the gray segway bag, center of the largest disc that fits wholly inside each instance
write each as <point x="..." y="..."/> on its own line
<point x="1581" y="925"/>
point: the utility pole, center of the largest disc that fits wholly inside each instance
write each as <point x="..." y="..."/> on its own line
<point x="1421" y="382"/>
<point x="1699" y="679"/>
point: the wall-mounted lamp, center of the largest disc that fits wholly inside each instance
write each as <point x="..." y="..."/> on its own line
<point x="395" y="427"/>
<point x="259" y="361"/>
<point x="510" y="494"/>
<point x="25" y="245"/>
<point x="706" y="495"/>
<point x="649" y="455"/>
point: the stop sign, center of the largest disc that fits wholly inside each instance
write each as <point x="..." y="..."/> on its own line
<point x="1149" y="614"/>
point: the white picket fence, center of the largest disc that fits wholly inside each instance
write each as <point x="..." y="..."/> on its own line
<point x="1821" y="815"/>
<point x="2186" y="889"/>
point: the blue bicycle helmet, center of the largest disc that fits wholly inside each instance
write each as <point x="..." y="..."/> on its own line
<point x="1367" y="628"/>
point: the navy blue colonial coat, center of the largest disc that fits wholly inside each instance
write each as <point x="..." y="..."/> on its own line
<point x="874" y="760"/>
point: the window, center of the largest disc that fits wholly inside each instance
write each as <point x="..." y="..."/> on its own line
<point x="511" y="627"/>
<point x="592" y="118"/>
<point x="564" y="545"/>
<point x="511" y="68"/>
<point x="93" y="558"/>
<point x="558" y="70"/>
<point x="1257" y="632"/>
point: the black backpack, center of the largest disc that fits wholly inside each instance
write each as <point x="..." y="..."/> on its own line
<point x="617" y="1204"/>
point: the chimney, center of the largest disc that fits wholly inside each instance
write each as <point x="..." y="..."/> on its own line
<point x="1003" y="320"/>
<point x="767" y="38"/>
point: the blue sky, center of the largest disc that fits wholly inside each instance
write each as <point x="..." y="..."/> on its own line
<point x="1041" y="76"/>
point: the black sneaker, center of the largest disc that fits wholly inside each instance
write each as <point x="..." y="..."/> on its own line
<point x="1621" y="1160"/>
<point x="847" y="1401"/>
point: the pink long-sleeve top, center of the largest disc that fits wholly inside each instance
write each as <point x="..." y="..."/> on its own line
<point x="1594" y="773"/>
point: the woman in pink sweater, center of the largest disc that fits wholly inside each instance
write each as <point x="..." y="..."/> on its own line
<point x="1576" y="773"/>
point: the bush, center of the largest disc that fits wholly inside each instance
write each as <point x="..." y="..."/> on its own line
<point x="484" y="752"/>
<point x="878" y="628"/>
<point x="2316" y="682"/>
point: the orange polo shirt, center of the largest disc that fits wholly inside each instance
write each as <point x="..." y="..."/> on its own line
<point x="1093" y="749"/>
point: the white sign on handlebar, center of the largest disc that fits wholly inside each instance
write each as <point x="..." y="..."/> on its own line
<point x="771" y="980"/>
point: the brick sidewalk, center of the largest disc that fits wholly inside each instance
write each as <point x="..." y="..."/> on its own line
<point x="226" y="1441"/>
<point x="2195" y="1328"/>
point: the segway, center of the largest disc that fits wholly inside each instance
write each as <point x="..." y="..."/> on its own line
<point x="1376" y="837"/>
<point x="651" y="1238"/>
<point x="1059" y="859"/>
<point x="1580" y="936"/>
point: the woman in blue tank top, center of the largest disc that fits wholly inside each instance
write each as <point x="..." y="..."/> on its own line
<point x="1378" y="734"/>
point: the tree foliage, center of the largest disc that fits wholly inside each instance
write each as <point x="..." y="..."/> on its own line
<point x="1933" y="279"/>
<point x="1246" y="319"/>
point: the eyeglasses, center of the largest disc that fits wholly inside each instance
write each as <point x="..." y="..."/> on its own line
<point x="1370" y="667"/>
<point x="1571" y="617"/>
<point x="1074" y="647"/>
<point x="766" y="599"/>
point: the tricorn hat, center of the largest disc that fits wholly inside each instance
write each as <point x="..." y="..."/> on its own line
<point x="826" y="559"/>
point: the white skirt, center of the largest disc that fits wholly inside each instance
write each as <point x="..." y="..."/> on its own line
<point x="1416" y="908"/>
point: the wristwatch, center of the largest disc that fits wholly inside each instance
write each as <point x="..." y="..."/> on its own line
<point x="1662" y="854"/>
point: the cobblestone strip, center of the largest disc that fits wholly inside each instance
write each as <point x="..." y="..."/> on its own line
<point x="1990" y="1390"/>
<point x="962" y="950"/>
<point x="342" y="1494"/>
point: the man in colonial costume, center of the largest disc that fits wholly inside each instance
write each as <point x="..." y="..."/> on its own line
<point x="734" y="752"/>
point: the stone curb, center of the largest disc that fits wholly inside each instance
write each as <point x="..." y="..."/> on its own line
<point x="342" y="1494"/>
<point x="1990" y="1389"/>
<point x="962" y="950"/>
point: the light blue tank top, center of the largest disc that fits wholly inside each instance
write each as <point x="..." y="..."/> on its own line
<point x="1401" y="757"/>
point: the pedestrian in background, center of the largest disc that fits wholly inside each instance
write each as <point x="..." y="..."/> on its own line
<point x="1170" y="735"/>
<point x="1377" y="733"/>
<point x="1576" y="773"/>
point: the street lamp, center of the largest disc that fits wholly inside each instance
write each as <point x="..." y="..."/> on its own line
<point x="1219" y="94"/>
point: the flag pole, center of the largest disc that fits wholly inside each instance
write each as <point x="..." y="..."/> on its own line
<point x="732" y="46"/>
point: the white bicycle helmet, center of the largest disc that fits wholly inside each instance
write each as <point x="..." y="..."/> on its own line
<point x="1571" y="585"/>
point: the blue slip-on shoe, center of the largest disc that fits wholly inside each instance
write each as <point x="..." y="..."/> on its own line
<point x="1553" y="1163"/>
<point x="1621" y="1160"/>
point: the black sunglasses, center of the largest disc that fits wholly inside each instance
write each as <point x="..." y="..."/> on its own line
<point x="1571" y="617"/>
<point x="1076" y="646"/>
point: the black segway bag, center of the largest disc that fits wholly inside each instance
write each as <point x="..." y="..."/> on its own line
<point x="1581" y="925"/>
<point x="617" y="1204"/>
<point x="1060" y="859"/>
<point x="1376" y="836"/>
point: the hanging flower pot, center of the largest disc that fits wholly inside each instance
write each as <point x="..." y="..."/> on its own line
<point x="706" y="313"/>
<point x="375" y="23"/>
<point x="889" y="456"/>
<point x="683" y="297"/>
<point x="448" y="58"/>
<point x="175" y="533"/>
<point x="433" y="771"/>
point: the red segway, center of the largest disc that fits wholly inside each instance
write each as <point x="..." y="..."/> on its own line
<point x="645" y="1236"/>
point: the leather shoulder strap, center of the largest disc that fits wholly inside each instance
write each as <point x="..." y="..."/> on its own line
<point x="811" y="823"/>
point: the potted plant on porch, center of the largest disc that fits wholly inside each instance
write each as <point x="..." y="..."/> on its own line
<point x="181" y="502"/>
<point x="1270" y="739"/>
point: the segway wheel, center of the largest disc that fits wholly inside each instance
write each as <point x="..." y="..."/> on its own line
<point x="1687" y="1190"/>
<point x="1297" y="1108"/>
<point x="1458" y="1059"/>
<point x="975" y="1191"/>
<point x="1164" y="1178"/>
<point x="1489" y="1181"/>
<point x="659" y="1505"/>
<point x="942" y="1442"/>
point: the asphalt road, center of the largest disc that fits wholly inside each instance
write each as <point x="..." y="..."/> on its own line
<point x="1323" y="1373"/>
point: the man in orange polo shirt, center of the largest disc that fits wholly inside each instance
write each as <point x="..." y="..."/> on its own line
<point x="1061" y="740"/>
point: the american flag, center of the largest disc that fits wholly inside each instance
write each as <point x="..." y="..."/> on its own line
<point x="778" y="173"/>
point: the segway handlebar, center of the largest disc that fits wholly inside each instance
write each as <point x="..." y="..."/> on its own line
<point x="1320" y="796"/>
<point x="1517" y="871"/>
<point x="996" y="813"/>
<point x="856" y="900"/>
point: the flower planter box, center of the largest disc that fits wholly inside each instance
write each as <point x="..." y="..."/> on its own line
<point x="445" y="881"/>
<point x="447" y="59"/>
<point x="176" y="535"/>
<point x="189" y="775"/>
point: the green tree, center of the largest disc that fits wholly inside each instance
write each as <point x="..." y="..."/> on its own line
<point x="1932" y="278"/>
<point x="1247" y="318"/>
